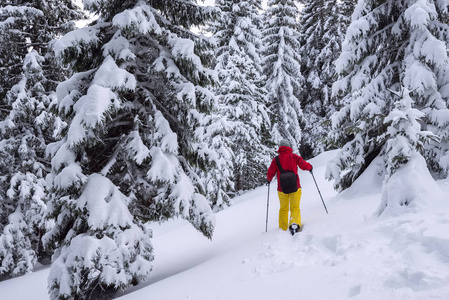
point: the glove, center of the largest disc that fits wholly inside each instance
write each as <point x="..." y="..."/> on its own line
<point x="268" y="182"/>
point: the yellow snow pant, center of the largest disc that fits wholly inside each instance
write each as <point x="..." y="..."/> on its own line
<point x="289" y="200"/>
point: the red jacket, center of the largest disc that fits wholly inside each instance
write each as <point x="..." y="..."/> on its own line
<point x="289" y="162"/>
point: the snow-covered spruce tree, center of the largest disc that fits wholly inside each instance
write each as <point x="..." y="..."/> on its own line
<point x="345" y="9"/>
<point x="437" y="154"/>
<point x="281" y="61"/>
<point x="323" y="27"/>
<point x="26" y="126"/>
<point x="24" y="134"/>
<point x="218" y="175"/>
<point x="389" y="45"/>
<point x="404" y="140"/>
<point x="136" y="111"/>
<point x="241" y="89"/>
<point x="26" y="24"/>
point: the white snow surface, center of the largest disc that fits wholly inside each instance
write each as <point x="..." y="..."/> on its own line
<point x="349" y="253"/>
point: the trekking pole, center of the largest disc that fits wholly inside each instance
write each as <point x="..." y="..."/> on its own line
<point x="319" y="191"/>
<point x="268" y="203"/>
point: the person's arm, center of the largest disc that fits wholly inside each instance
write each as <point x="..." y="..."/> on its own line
<point x="302" y="164"/>
<point x="272" y="170"/>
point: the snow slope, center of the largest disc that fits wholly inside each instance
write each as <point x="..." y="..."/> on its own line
<point x="346" y="254"/>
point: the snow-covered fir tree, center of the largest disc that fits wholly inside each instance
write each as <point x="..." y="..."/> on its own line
<point x="389" y="45"/>
<point x="323" y="27"/>
<point x="217" y="176"/>
<point x="241" y="89"/>
<point x="26" y="24"/>
<point x="403" y="134"/>
<point x="24" y="134"/>
<point x="345" y="9"/>
<point x="26" y="126"/>
<point x="437" y="154"/>
<point x="405" y="141"/>
<point x="136" y="110"/>
<point x="281" y="61"/>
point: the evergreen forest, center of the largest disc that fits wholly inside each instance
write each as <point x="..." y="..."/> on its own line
<point x="156" y="110"/>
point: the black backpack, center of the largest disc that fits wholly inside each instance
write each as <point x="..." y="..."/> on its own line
<point x="287" y="179"/>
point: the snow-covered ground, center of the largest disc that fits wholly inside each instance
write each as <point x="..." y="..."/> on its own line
<point x="346" y="254"/>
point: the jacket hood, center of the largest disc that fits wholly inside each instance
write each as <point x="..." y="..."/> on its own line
<point x="285" y="149"/>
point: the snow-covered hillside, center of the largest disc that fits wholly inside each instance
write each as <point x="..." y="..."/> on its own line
<point x="346" y="254"/>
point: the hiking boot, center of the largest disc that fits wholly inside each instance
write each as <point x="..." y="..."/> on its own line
<point x="294" y="228"/>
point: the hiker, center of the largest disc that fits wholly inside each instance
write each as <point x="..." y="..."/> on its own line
<point x="291" y="195"/>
